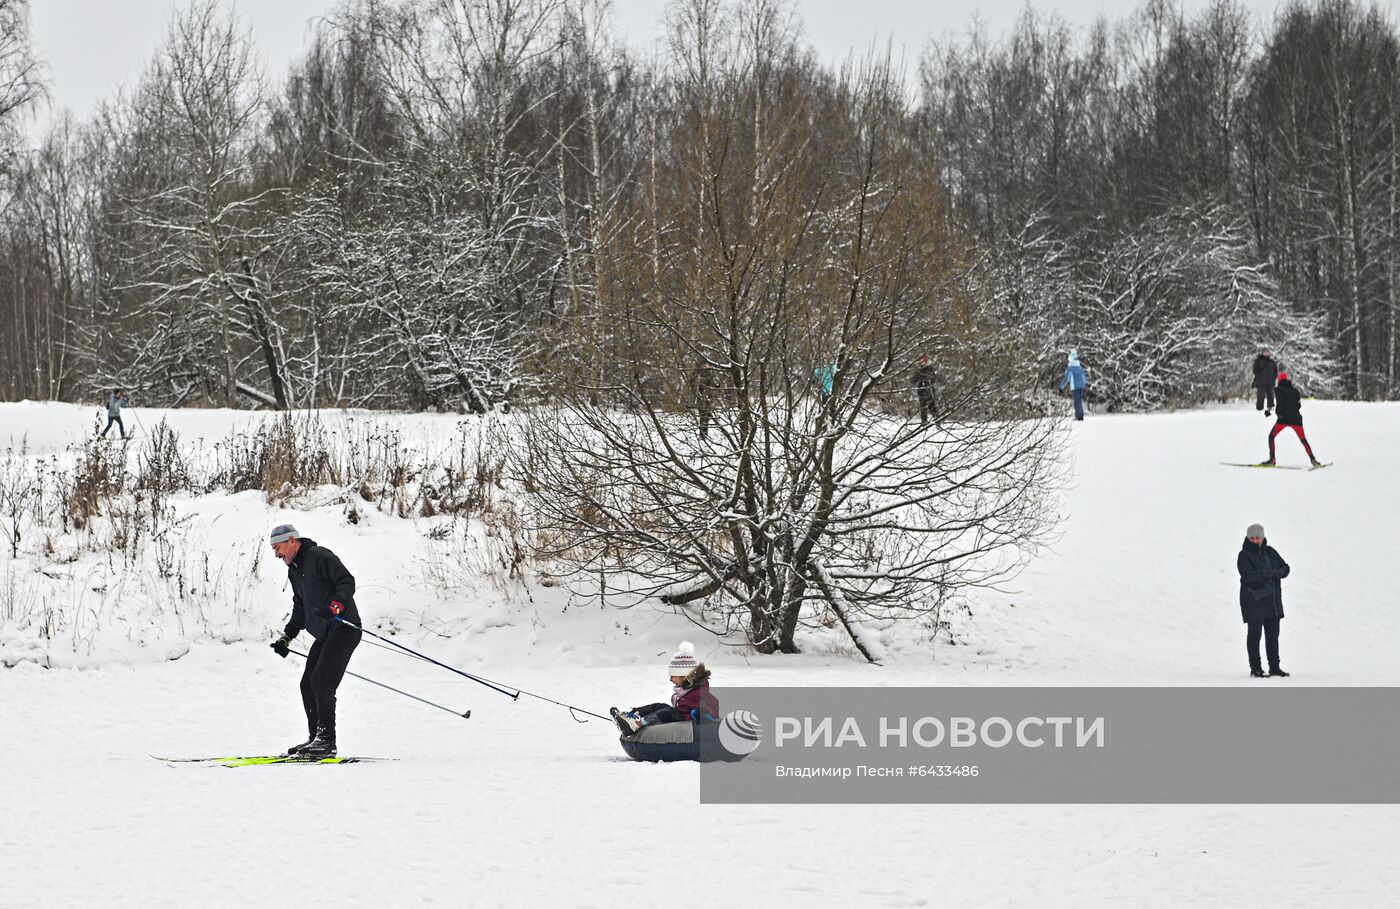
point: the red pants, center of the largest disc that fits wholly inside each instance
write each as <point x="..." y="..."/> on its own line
<point x="1280" y="427"/>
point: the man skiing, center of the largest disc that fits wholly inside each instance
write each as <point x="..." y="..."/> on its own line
<point x="1261" y="570"/>
<point x="923" y="386"/>
<point x="709" y="385"/>
<point x="1075" y="379"/>
<point x="115" y="403"/>
<point x="1266" y="373"/>
<point x="323" y="591"/>
<point x="1290" y="415"/>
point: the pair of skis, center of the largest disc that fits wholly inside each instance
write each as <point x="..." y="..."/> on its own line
<point x="1267" y="466"/>
<point x="264" y="759"/>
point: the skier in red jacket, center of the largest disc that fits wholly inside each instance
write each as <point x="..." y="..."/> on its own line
<point x="1290" y="416"/>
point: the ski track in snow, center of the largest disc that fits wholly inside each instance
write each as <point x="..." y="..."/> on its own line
<point x="521" y="806"/>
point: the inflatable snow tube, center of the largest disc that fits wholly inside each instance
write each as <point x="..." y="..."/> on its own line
<point x="686" y="741"/>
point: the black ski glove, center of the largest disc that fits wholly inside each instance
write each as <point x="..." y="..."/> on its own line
<point x="279" y="646"/>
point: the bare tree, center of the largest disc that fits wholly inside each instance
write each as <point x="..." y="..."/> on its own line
<point x="49" y="256"/>
<point x="24" y="360"/>
<point x="1171" y="311"/>
<point x="414" y="282"/>
<point x="1320" y="167"/>
<point x="21" y="82"/>
<point x="190" y="246"/>
<point x="463" y="76"/>
<point x="805" y="503"/>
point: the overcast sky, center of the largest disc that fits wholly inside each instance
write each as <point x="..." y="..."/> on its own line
<point x="94" y="46"/>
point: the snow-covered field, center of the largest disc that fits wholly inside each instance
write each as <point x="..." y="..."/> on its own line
<point x="521" y="806"/>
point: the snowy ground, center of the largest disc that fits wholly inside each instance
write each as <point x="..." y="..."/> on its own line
<point x="520" y="806"/>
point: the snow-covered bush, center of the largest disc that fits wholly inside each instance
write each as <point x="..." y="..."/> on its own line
<point x="18" y="496"/>
<point x="1171" y="314"/>
<point x="434" y="289"/>
<point x="105" y="545"/>
<point x="782" y="485"/>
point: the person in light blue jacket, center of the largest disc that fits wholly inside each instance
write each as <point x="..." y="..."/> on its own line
<point x="824" y="376"/>
<point x="115" y="402"/>
<point x="1074" y="378"/>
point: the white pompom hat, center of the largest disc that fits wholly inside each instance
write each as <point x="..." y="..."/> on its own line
<point x="683" y="660"/>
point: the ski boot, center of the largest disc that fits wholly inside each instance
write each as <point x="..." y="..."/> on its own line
<point x="322" y="745"/>
<point x="298" y="749"/>
<point x="626" y="722"/>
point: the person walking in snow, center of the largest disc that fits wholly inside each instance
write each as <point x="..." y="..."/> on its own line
<point x="323" y="594"/>
<point x="115" y="403"/>
<point x="1262" y="571"/>
<point x="923" y="386"/>
<point x="690" y="691"/>
<point x="1266" y="375"/>
<point x="1074" y="378"/>
<point x="825" y="377"/>
<point x="1290" y="416"/>
<point x="709" y="382"/>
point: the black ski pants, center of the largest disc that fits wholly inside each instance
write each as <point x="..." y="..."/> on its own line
<point x="926" y="407"/>
<point x="660" y="713"/>
<point x="1269" y="629"/>
<point x="325" y="667"/>
<point x="121" y="427"/>
<point x="1264" y="395"/>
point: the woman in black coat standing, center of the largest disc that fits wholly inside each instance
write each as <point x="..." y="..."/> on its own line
<point x="1262" y="571"/>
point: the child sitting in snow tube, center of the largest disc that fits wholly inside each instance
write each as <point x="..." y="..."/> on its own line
<point x="685" y="729"/>
<point x="690" y="692"/>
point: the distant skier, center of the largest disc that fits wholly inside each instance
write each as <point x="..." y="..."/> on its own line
<point x="690" y="692"/>
<point x="1074" y="378"/>
<point x="825" y="377"/>
<point x="1262" y="571"/>
<point x="115" y="403"/>
<point x="709" y="382"/>
<point x="923" y="386"/>
<point x="1266" y="374"/>
<point x="322" y="591"/>
<point x="1290" y="416"/>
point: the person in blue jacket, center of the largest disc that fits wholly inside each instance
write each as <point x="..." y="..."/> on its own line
<point x="115" y="402"/>
<point x="824" y="376"/>
<point x="1074" y="378"/>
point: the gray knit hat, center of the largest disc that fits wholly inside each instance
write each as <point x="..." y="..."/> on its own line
<point x="1255" y="530"/>
<point x="284" y="532"/>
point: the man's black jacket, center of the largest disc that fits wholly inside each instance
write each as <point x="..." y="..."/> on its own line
<point x="318" y="577"/>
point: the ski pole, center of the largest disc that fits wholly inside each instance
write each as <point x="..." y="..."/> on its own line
<point x="468" y="675"/>
<point x="466" y="715"/>
<point x="495" y="686"/>
<point x="529" y="694"/>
